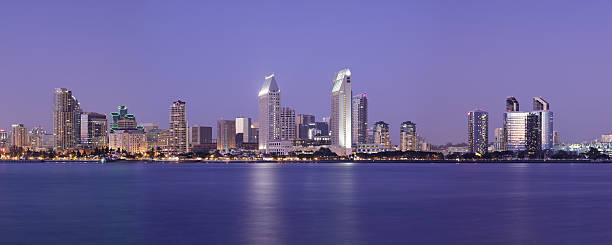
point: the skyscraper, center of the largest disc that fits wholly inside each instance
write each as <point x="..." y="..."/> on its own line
<point x="66" y="115"/>
<point x="360" y="119"/>
<point x="542" y="108"/>
<point x="533" y="134"/>
<point x="381" y="134"/>
<point x="243" y="127"/>
<point x="226" y="134"/>
<point x="94" y="130"/>
<point x="540" y="104"/>
<point x="178" y="128"/>
<point x="287" y="124"/>
<point x="478" y="131"/>
<point x="515" y="131"/>
<point x="408" y="136"/>
<point x="512" y="104"/>
<point x="340" y="121"/>
<point x="19" y="136"/>
<point x="269" y="112"/>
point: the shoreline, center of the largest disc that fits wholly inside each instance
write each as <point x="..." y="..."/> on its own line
<point x="535" y="161"/>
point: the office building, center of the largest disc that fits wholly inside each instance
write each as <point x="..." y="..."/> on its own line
<point x="360" y="119"/>
<point x="149" y="126"/>
<point x="515" y="131"/>
<point x="94" y="130"/>
<point x="133" y="141"/>
<point x="408" y="136"/>
<point x="303" y="125"/>
<point x="178" y="128"/>
<point x="605" y="138"/>
<point x="512" y="104"/>
<point x="269" y="112"/>
<point x="287" y="124"/>
<point x="341" y="113"/>
<point x="243" y="130"/>
<point x="19" y="136"/>
<point x="226" y="134"/>
<point x="381" y="134"/>
<point x="478" y="131"/>
<point x="66" y="117"/>
<point x="556" y="138"/>
<point x="499" y="139"/>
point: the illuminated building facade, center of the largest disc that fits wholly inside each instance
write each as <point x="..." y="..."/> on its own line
<point x="408" y="136"/>
<point x="19" y="136"/>
<point x="94" y="130"/>
<point x="360" y="119"/>
<point x="381" y="134"/>
<point x="226" y="134"/>
<point x="66" y="117"/>
<point x="178" y="128"/>
<point x="478" y="131"/>
<point x="269" y="112"/>
<point x="341" y="113"/>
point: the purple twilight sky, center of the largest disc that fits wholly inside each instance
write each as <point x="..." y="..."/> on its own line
<point x="425" y="61"/>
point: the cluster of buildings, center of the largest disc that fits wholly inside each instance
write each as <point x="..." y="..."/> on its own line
<point x="280" y="130"/>
<point x="345" y="132"/>
<point x="530" y="131"/>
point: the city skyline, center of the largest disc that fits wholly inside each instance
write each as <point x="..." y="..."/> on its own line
<point x="446" y="50"/>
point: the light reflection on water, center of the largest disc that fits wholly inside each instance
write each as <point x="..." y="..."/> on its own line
<point x="336" y="203"/>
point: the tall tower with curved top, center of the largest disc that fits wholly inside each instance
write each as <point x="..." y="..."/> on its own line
<point x="341" y="106"/>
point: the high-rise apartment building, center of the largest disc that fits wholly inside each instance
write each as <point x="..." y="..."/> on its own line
<point x="66" y="117"/>
<point x="341" y="113"/>
<point x="542" y="108"/>
<point x="287" y="124"/>
<point x="37" y="138"/>
<point x="226" y="134"/>
<point x="512" y="104"/>
<point x="94" y="130"/>
<point x="19" y="136"/>
<point x="4" y="140"/>
<point x="243" y="128"/>
<point x="381" y="135"/>
<point x="408" y="137"/>
<point x="533" y="136"/>
<point x="499" y="139"/>
<point x="360" y="119"/>
<point x="269" y="112"/>
<point x="133" y="141"/>
<point x="178" y="128"/>
<point x="478" y="131"/>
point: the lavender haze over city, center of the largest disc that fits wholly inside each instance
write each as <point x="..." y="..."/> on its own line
<point x="429" y="62"/>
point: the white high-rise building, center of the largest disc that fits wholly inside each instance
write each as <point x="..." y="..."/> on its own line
<point x="340" y="121"/>
<point x="243" y="126"/>
<point x="269" y="113"/>
<point x="515" y="131"/>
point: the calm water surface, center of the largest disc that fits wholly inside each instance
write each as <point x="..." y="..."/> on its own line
<point x="124" y="203"/>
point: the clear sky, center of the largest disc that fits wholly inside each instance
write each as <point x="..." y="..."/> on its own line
<point x="425" y="61"/>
